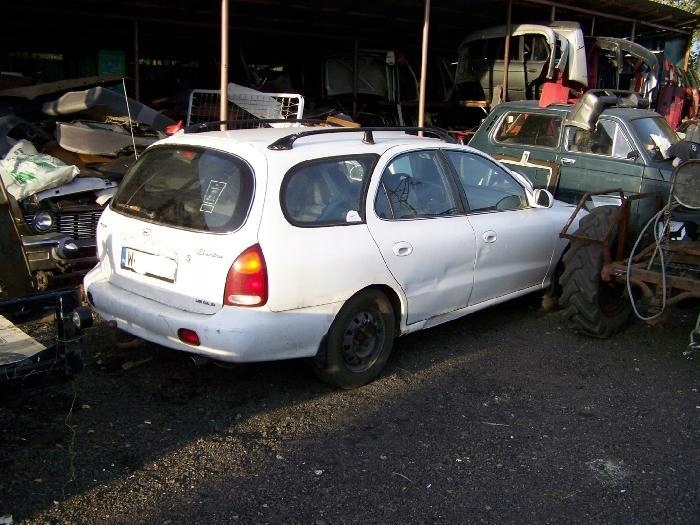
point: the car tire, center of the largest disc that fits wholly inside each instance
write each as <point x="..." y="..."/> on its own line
<point x="359" y="341"/>
<point x="592" y="306"/>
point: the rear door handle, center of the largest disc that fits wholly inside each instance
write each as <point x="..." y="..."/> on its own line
<point x="489" y="236"/>
<point x="402" y="248"/>
<point x="568" y="161"/>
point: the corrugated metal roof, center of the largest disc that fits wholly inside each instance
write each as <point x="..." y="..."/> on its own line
<point x="376" y="22"/>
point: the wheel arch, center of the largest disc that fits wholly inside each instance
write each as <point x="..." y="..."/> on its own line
<point x="397" y="310"/>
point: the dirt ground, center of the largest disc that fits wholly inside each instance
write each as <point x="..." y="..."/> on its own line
<point x="501" y="417"/>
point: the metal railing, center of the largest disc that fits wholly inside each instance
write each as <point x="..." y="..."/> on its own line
<point x="203" y="106"/>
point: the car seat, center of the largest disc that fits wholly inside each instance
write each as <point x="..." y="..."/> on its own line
<point x="581" y="141"/>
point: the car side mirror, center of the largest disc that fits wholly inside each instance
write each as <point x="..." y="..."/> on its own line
<point x="633" y="155"/>
<point x="543" y="198"/>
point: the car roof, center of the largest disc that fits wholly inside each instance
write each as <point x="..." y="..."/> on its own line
<point x="344" y="140"/>
<point x="620" y="112"/>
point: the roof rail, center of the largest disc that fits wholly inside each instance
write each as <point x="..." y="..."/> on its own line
<point x="249" y="124"/>
<point x="287" y="142"/>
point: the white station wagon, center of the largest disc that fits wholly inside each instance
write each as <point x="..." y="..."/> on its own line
<point x="279" y="243"/>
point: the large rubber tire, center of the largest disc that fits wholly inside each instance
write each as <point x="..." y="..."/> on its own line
<point x="359" y="341"/>
<point x="592" y="306"/>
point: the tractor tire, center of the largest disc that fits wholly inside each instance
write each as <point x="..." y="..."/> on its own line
<point x="592" y="306"/>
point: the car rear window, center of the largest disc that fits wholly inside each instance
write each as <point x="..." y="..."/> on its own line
<point x="532" y="129"/>
<point x="189" y="188"/>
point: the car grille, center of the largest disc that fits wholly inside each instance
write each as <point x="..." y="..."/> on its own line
<point x="79" y="225"/>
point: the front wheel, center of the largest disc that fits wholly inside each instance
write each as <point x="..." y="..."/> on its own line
<point x="359" y="341"/>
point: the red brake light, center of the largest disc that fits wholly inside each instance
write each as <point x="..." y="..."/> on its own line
<point x="188" y="336"/>
<point x="246" y="282"/>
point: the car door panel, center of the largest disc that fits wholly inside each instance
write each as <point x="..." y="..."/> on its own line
<point x="428" y="246"/>
<point x="514" y="242"/>
<point x="597" y="159"/>
<point x="514" y="251"/>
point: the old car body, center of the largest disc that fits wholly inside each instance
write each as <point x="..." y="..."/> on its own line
<point x="622" y="149"/>
<point x="535" y="53"/>
<point x="255" y="245"/>
<point x="49" y="237"/>
<point x="617" y="63"/>
<point x="550" y="53"/>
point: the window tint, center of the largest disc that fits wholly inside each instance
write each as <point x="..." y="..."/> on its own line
<point x="189" y="188"/>
<point x="414" y="185"/>
<point x="607" y="138"/>
<point x="534" y="129"/>
<point x="326" y="191"/>
<point x="487" y="186"/>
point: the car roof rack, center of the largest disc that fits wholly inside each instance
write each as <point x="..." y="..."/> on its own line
<point x="585" y="112"/>
<point x="250" y="124"/>
<point x="287" y="142"/>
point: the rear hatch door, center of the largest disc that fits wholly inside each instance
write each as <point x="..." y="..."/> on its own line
<point x="177" y="223"/>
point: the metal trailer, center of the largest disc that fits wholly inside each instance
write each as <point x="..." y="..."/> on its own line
<point x="61" y="350"/>
<point x="611" y="272"/>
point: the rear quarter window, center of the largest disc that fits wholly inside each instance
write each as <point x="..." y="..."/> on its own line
<point x="531" y="129"/>
<point x="189" y="188"/>
<point x="326" y="192"/>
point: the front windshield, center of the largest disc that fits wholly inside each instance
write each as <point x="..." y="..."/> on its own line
<point x="655" y="134"/>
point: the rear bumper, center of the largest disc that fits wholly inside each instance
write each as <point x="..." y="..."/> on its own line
<point x="232" y="334"/>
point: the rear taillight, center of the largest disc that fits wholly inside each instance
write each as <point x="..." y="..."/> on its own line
<point x="246" y="282"/>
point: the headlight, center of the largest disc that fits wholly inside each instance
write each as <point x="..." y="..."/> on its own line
<point x="42" y="221"/>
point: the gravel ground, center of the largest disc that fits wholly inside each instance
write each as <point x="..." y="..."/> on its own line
<point x="501" y="417"/>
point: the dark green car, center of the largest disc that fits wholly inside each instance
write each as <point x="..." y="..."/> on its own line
<point x="601" y="143"/>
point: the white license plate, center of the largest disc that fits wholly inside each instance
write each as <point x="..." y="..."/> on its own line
<point x="144" y="263"/>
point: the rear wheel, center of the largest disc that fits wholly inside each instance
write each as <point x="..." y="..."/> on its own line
<point x="359" y="341"/>
<point x="592" y="306"/>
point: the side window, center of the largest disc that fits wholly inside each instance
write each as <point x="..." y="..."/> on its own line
<point x="532" y="129"/>
<point x="620" y="147"/>
<point x="413" y="185"/>
<point x="606" y="139"/>
<point x="487" y="186"/>
<point x="326" y="192"/>
<point x="536" y="48"/>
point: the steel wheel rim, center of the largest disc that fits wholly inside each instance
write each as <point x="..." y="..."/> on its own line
<point x="363" y="339"/>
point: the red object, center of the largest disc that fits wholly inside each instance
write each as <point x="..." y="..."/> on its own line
<point x="188" y="336"/>
<point x="670" y="104"/>
<point x="555" y="93"/>
<point x="671" y="100"/>
<point x="173" y="128"/>
<point x="246" y="282"/>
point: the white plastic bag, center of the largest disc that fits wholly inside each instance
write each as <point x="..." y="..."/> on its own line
<point x="25" y="171"/>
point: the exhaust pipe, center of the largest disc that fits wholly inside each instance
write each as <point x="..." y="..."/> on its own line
<point x="199" y="360"/>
